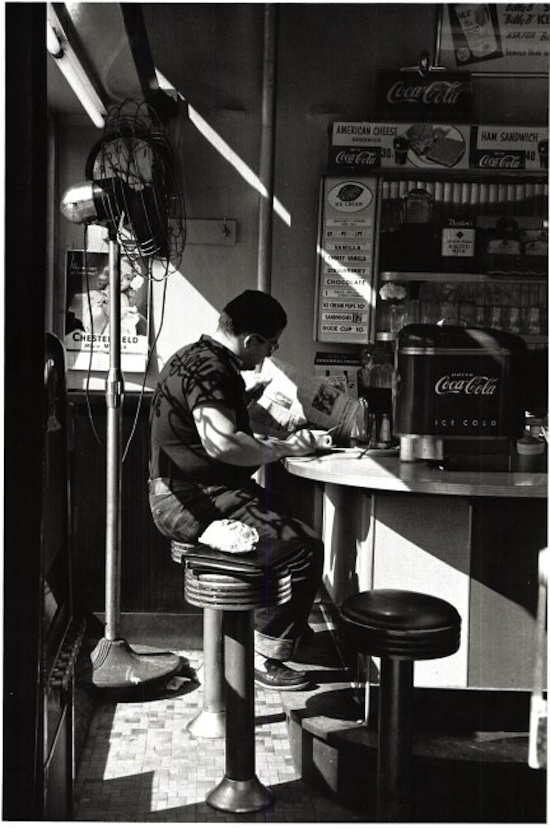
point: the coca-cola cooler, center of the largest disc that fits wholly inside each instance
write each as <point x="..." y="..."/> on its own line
<point x="459" y="395"/>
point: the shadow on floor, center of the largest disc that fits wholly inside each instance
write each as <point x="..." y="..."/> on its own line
<point x="470" y="755"/>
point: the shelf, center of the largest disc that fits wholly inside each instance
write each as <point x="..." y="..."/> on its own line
<point x="470" y="174"/>
<point x="391" y="336"/>
<point x="427" y="276"/>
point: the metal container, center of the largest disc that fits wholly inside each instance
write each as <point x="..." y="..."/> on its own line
<point x="458" y="383"/>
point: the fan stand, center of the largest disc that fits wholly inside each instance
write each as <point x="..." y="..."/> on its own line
<point x="114" y="663"/>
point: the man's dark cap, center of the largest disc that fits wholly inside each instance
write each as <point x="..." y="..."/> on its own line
<point x="255" y="312"/>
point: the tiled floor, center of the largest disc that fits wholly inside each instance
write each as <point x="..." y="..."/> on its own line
<point x="139" y="763"/>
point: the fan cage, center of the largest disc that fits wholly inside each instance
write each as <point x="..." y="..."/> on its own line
<point x="137" y="181"/>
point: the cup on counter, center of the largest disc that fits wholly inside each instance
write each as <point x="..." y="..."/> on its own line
<point x="321" y="438"/>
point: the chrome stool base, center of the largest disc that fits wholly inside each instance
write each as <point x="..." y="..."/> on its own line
<point x="207" y="724"/>
<point x="240" y="796"/>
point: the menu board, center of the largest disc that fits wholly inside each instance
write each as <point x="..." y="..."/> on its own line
<point x="347" y="226"/>
<point x="373" y="145"/>
<point x="509" y="148"/>
<point x="384" y="144"/>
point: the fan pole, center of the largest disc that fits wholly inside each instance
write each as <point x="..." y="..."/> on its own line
<point x="114" y="663"/>
<point x="114" y="396"/>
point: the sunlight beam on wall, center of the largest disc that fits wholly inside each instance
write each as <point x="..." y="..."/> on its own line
<point x="227" y="152"/>
<point x="364" y="290"/>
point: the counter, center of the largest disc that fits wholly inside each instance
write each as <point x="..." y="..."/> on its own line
<point x="470" y="538"/>
<point x="348" y="468"/>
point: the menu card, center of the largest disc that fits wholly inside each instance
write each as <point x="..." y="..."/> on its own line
<point x="346" y="258"/>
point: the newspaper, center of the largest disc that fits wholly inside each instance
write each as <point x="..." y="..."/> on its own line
<point x="292" y="400"/>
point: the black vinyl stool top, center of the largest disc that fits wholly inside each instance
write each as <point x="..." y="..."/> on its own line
<point x="283" y="555"/>
<point x="228" y="581"/>
<point x="397" y="623"/>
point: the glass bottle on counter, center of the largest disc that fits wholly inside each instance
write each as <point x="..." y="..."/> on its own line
<point x="375" y="385"/>
<point x="359" y="435"/>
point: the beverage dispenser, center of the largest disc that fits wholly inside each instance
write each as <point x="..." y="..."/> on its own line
<point x="459" y="398"/>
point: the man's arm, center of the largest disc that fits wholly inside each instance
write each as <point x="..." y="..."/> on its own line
<point x="221" y="440"/>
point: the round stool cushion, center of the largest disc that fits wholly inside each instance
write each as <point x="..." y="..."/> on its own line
<point x="283" y="556"/>
<point x="401" y="624"/>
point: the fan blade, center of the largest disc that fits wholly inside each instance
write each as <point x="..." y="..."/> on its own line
<point x="148" y="221"/>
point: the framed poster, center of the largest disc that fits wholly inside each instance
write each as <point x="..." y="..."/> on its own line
<point x="87" y="311"/>
<point x="495" y="38"/>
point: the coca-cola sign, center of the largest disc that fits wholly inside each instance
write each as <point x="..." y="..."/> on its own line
<point x="499" y="159"/>
<point x="459" y="394"/>
<point x="353" y="157"/>
<point x="435" y="93"/>
<point x="467" y="385"/>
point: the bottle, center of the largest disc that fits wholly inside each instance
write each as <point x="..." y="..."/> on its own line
<point x="376" y="379"/>
<point x="384" y="437"/>
<point x="531" y="455"/>
<point x="359" y="435"/>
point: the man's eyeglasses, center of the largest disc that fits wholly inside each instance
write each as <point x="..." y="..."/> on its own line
<point x="272" y="345"/>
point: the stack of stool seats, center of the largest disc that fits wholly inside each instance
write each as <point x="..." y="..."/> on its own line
<point x="233" y="586"/>
<point x="400" y="627"/>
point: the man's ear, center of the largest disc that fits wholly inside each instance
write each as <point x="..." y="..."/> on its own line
<point x="247" y="339"/>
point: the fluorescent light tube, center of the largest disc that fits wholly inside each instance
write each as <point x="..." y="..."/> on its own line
<point x="76" y="76"/>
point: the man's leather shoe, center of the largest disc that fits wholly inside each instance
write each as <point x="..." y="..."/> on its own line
<point x="277" y="676"/>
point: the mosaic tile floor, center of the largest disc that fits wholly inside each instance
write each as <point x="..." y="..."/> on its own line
<point x="139" y="763"/>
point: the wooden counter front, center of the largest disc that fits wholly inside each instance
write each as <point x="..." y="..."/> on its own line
<point x="469" y="538"/>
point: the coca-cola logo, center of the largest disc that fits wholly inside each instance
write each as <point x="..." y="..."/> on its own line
<point x="363" y="157"/>
<point x="506" y="161"/>
<point x="474" y="385"/>
<point x="437" y="93"/>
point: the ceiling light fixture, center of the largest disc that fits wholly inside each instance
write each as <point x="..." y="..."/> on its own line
<point x="68" y="62"/>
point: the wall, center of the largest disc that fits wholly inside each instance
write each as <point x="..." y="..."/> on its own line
<point x="328" y="58"/>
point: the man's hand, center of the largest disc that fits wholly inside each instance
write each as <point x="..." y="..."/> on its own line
<point x="255" y="390"/>
<point x="301" y="442"/>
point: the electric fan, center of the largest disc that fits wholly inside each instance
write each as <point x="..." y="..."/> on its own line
<point x="133" y="190"/>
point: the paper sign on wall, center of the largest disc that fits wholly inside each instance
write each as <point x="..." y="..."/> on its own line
<point x="346" y="256"/>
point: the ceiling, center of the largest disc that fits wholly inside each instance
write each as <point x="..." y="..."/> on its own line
<point x="97" y="32"/>
<point x="177" y="37"/>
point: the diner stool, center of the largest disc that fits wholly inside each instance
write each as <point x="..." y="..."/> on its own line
<point x="399" y="627"/>
<point x="235" y="586"/>
<point x="209" y="723"/>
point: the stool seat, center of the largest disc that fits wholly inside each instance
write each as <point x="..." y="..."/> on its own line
<point x="282" y="555"/>
<point x="229" y="587"/>
<point x="401" y="624"/>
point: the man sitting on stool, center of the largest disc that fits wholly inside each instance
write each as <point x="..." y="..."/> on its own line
<point x="203" y="455"/>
